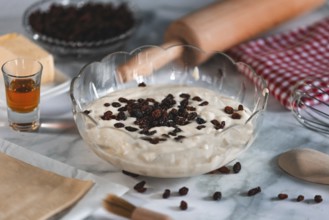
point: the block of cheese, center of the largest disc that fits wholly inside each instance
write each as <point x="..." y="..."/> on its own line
<point x="14" y="45"/>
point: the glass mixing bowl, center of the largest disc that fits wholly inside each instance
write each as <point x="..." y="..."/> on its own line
<point x="219" y="74"/>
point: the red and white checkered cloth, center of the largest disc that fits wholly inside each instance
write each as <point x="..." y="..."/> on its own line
<point x="288" y="58"/>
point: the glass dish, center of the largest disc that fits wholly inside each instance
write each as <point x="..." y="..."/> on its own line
<point x="220" y="74"/>
<point x="77" y="48"/>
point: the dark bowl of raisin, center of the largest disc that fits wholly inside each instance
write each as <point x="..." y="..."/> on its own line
<point x="81" y="28"/>
<point x="176" y="120"/>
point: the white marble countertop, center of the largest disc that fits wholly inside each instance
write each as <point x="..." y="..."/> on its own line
<point x="59" y="139"/>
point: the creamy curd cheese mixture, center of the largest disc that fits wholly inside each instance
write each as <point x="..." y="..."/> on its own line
<point x="171" y="130"/>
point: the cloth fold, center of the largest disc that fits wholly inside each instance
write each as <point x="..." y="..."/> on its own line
<point x="286" y="59"/>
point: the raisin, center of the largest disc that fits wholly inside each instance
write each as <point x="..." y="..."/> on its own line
<point x="254" y="191"/>
<point x="119" y="125"/>
<point x="318" y="198"/>
<point x="87" y="112"/>
<point x="236" y="115"/>
<point x="215" y="122"/>
<point x="183" y="104"/>
<point x="177" y="130"/>
<point x="190" y="108"/>
<point x="107" y="104"/>
<point x="197" y="98"/>
<point x="224" y="170"/>
<point x="240" y="108"/>
<point x="130" y="174"/>
<point x="183" y="205"/>
<point x="107" y="115"/>
<point x="142" y="84"/>
<point x="123" y="100"/>
<point x="141" y="190"/>
<point x="228" y="110"/>
<point x="121" y="116"/>
<point x="199" y="127"/>
<point x="122" y="109"/>
<point x="148" y="132"/>
<point x="154" y="141"/>
<point x="116" y="104"/>
<point x="166" y="194"/>
<point x="282" y="196"/>
<point x="200" y="120"/>
<point x="237" y="167"/>
<point x="140" y="186"/>
<point x="131" y="129"/>
<point x="300" y="198"/>
<point x="156" y="113"/>
<point x="185" y="95"/>
<point x="191" y="116"/>
<point x="204" y="103"/>
<point x="183" y="191"/>
<point x="100" y="21"/>
<point x="217" y="195"/>
<point x="179" y="137"/>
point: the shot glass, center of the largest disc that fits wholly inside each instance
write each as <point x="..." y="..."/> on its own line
<point x="22" y="79"/>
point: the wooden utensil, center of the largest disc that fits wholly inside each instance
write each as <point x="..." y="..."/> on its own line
<point x="218" y="27"/>
<point x="307" y="164"/>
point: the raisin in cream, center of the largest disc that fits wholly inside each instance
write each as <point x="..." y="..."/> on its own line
<point x="168" y="131"/>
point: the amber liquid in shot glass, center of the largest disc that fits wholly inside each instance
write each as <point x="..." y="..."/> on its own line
<point x="23" y="95"/>
<point x="22" y="85"/>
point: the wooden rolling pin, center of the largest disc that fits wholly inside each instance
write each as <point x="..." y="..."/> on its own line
<point x="217" y="27"/>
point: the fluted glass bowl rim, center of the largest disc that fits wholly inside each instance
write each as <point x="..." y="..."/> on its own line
<point x="76" y="106"/>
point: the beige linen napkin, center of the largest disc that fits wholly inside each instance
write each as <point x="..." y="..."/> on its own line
<point x="28" y="192"/>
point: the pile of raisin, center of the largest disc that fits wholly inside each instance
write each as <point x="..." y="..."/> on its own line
<point x="90" y="22"/>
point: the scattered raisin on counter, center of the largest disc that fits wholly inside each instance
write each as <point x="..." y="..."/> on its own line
<point x="282" y="196"/>
<point x="237" y="167"/>
<point x="166" y="194"/>
<point x="254" y="191"/>
<point x="217" y="196"/>
<point x="140" y="186"/>
<point x="183" y="191"/>
<point x="300" y="198"/>
<point x="183" y="205"/>
<point x="318" y="198"/>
